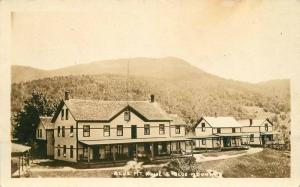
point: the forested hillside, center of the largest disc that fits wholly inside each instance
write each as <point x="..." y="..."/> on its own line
<point x="180" y="88"/>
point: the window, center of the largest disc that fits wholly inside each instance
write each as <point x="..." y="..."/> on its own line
<point x="203" y="141"/>
<point x="218" y="130"/>
<point x="67" y="114"/>
<point x="106" y="130"/>
<point x="62" y="114"/>
<point x="127" y="115"/>
<point x="64" y="150"/>
<point x="58" y="131"/>
<point x="63" y="131"/>
<point x="203" y="127"/>
<point x="233" y="130"/>
<point x="58" y="150"/>
<point x="41" y="133"/>
<point x="71" y="151"/>
<point x="177" y="129"/>
<point x="86" y="130"/>
<point x="71" y="131"/>
<point x="161" y="128"/>
<point x="119" y="130"/>
<point x="266" y="127"/>
<point x="146" y="129"/>
<point x="251" y="137"/>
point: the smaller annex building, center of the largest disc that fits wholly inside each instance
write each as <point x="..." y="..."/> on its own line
<point x="45" y="136"/>
<point x="260" y="131"/>
<point x="218" y="133"/>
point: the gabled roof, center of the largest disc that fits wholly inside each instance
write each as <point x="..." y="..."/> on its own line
<point x="255" y="122"/>
<point x="176" y="120"/>
<point x="46" y="122"/>
<point x="96" y="110"/>
<point x="220" y="122"/>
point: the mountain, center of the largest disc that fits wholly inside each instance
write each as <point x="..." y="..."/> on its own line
<point x="178" y="86"/>
<point x="25" y="73"/>
<point x="149" y="67"/>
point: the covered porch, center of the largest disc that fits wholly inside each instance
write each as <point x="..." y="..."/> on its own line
<point x="123" y="150"/>
<point x="232" y="140"/>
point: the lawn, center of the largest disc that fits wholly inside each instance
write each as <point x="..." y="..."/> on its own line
<point x="73" y="173"/>
<point x="266" y="164"/>
<point x="216" y="154"/>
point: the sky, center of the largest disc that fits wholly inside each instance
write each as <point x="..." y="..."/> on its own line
<point x="246" y="40"/>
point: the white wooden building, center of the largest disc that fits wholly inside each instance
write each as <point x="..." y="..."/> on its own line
<point x="93" y="130"/>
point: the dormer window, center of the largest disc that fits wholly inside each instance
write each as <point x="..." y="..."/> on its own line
<point x="266" y="127"/>
<point x="127" y="115"/>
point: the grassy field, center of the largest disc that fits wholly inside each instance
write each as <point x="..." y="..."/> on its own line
<point x="265" y="164"/>
<point x="216" y="154"/>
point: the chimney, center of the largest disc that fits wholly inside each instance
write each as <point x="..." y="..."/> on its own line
<point x="66" y="95"/>
<point x="251" y="121"/>
<point x="152" y="98"/>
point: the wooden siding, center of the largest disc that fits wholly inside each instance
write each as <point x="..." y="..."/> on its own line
<point x="96" y="129"/>
<point x="68" y="140"/>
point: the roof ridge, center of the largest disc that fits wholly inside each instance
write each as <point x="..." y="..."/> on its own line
<point x="97" y="100"/>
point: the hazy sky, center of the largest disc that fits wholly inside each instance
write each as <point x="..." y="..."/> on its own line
<point x="252" y="40"/>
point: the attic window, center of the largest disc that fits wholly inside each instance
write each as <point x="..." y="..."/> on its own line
<point x="67" y="114"/>
<point x="218" y="130"/>
<point x="266" y="127"/>
<point x="203" y="127"/>
<point x="127" y="115"/>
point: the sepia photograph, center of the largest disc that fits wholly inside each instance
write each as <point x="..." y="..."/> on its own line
<point x="152" y="89"/>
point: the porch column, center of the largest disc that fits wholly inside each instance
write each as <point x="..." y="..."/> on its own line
<point x="192" y="147"/>
<point x="152" y="151"/>
<point x="114" y="152"/>
<point x="22" y="161"/>
<point x="185" y="147"/>
<point x="170" y="148"/>
<point x="89" y="155"/>
<point x="136" y="150"/>
<point x="19" y="166"/>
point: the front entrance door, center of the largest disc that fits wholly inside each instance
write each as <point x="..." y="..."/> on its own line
<point x="96" y="152"/>
<point x="131" y="150"/>
<point x="133" y="131"/>
<point x="227" y="141"/>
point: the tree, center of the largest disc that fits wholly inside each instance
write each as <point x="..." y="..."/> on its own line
<point x="28" y="118"/>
